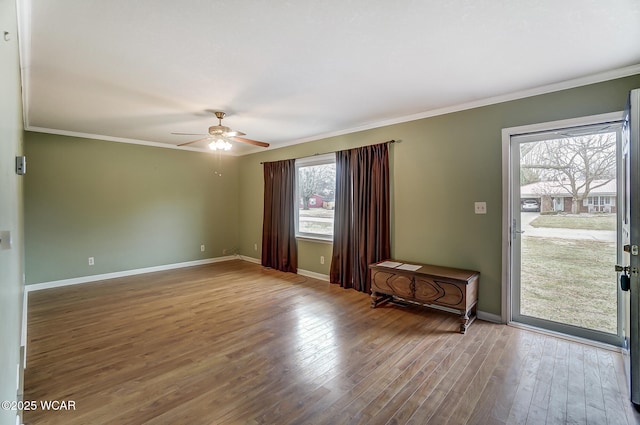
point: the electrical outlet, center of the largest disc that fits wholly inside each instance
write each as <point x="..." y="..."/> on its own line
<point x="224" y="251"/>
<point x="481" y="207"/>
<point x="255" y="246"/>
<point x="201" y="248"/>
<point x="322" y="259"/>
<point x="92" y="261"/>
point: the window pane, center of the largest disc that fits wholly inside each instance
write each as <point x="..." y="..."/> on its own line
<point x="316" y="194"/>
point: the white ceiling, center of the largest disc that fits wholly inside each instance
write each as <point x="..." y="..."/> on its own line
<point x="289" y="71"/>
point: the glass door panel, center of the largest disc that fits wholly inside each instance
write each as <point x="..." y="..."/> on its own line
<point x="565" y="237"/>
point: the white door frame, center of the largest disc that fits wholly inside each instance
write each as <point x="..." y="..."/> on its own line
<point x="507" y="202"/>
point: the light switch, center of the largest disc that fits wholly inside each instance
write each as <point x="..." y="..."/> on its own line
<point x="481" y="207"/>
<point x="21" y="165"/>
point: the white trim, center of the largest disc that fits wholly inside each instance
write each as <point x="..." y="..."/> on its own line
<point x="566" y="123"/>
<point x="489" y="317"/>
<point x="301" y="272"/>
<point x="250" y="259"/>
<point x="125" y="273"/>
<point x="23" y="8"/>
<point x="310" y="161"/>
<point x="506" y="227"/>
<point x="122" y="140"/>
<point x="507" y="212"/>
<point x="318" y="159"/>
<point x="25" y="305"/>
<point x="566" y="337"/>
<point x="319" y="276"/>
<point x="23" y="333"/>
<point x="307" y="238"/>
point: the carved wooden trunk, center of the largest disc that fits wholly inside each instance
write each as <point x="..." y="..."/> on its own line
<point x="433" y="286"/>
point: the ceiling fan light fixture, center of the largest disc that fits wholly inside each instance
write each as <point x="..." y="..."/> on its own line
<point x="220" y="144"/>
<point x="220" y="136"/>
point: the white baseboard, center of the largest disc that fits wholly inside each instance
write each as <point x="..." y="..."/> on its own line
<point x="489" y="317"/>
<point x="97" y="277"/>
<point x="307" y="273"/>
<point x="250" y="259"/>
<point x="301" y="272"/>
<point x="23" y="331"/>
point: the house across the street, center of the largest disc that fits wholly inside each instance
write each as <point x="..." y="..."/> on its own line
<point x="553" y="196"/>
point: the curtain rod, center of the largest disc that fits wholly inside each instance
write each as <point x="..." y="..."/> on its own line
<point x="316" y="154"/>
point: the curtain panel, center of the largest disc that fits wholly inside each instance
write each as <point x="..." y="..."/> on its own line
<point x="362" y="215"/>
<point x="279" y="247"/>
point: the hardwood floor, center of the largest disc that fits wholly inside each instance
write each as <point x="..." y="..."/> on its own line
<point x="233" y="343"/>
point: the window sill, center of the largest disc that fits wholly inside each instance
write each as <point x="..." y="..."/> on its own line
<point x="314" y="239"/>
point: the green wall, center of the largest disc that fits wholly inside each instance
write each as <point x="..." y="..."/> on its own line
<point x="128" y="206"/>
<point x="441" y="166"/>
<point x="11" y="210"/>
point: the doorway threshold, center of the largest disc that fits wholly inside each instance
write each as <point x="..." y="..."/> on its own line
<point x="567" y="337"/>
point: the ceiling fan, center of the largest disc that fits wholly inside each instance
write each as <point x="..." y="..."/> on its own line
<point x="219" y="136"/>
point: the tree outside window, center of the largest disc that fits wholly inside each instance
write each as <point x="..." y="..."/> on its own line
<point x="576" y="164"/>
<point x="316" y="184"/>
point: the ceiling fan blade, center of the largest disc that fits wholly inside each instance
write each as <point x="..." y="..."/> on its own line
<point x="220" y="134"/>
<point x="234" y="133"/>
<point x="251" y="142"/>
<point x="193" y="141"/>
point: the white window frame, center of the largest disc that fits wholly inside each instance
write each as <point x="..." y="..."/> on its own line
<point x="599" y="200"/>
<point x="329" y="158"/>
<point x="507" y="188"/>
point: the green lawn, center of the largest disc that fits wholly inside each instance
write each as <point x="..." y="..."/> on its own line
<point x="570" y="281"/>
<point x="316" y="220"/>
<point x="577" y="221"/>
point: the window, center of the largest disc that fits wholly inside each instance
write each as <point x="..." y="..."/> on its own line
<point x="316" y="189"/>
<point x="599" y="200"/>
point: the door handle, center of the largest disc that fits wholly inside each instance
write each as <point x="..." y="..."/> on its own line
<point x="622" y="269"/>
<point x="625" y="280"/>
<point x="627" y="269"/>
<point x="515" y="230"/>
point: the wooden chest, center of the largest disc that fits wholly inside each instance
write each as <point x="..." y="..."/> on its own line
<point x="433" y="286"/>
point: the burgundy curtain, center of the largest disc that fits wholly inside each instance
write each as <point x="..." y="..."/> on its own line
<point x="361" y="222"/>
<point x="279" y="249"/>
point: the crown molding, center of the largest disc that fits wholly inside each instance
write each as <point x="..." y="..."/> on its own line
<point x="120" y="140"/>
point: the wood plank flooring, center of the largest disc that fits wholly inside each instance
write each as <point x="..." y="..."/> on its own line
<point x="233" y="343"/>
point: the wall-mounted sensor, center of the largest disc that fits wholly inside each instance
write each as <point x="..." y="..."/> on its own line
<point x="21" y="165"/>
